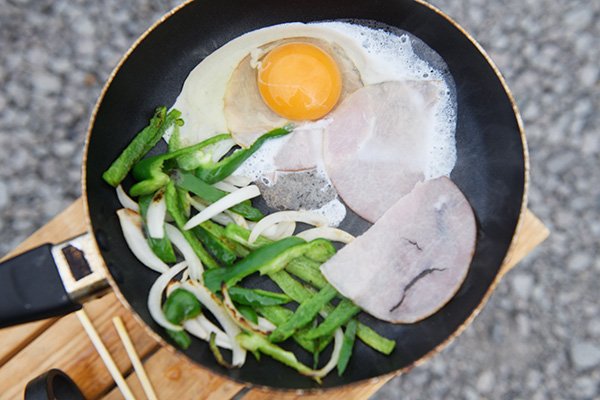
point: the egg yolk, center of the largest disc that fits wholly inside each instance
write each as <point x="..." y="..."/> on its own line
<point x="299" y="81"/>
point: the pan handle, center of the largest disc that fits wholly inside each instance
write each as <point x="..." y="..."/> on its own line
<point x="49" y="281"/>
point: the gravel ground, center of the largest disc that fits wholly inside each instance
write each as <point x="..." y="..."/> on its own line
<point x="537" y="338"/>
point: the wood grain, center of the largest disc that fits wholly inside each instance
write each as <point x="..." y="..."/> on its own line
<point x="66" y="346"/>
<point x="31" y="349"/>
<point x="174" y="377"/>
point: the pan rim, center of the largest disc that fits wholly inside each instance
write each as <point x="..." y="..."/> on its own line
<point x="426" y="357"/>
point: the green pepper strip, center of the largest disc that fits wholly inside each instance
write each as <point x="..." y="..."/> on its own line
<point x="141" y="144"/>
<point x="174" y="209"/>
<point x="181" y="305"/>
<point x="150" y="171"/>
<point x="347" y="346"/>
<point x="299" y="294"/>
<point x="161" y="247"/>
<point x="241" y="235"/>
<point x="343" y="313"/>
<point x="214" y="172"/>
<point x="375" y="340"/>
<point x="219" y="232"/>
<point x="278" y="315"/>
<point x="248" y="313"/>
<point x="215" y="247"/>
<point x="274" y="256"/>
<point x="304" y="314"/>
<point x="212" y="344"/>
<point x="256" y="342"/>
<point x="257" y="297"/>
<point x="184" y="202"/>
<point x="307" y="270"/>
<point x="211" y="194"/>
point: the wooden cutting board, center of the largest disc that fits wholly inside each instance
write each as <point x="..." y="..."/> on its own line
<point x="29" y="350"/>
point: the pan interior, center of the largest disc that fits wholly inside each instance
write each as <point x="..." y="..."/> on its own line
<point x="490" y="169"/>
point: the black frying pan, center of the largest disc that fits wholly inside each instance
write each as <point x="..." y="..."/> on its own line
<point x="491" y="170"/>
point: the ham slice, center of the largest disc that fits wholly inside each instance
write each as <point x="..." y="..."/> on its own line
<point x="379" y="143"/>
<point x="413" y="260"/>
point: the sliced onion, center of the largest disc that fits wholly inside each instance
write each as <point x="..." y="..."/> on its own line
<point x="238" y="180"/>
<point x="226" y="187"/>
<point x="195" y="265"/>
<point x="221" y="148"/>
<point x="237" y="316"/>
<point x="210" y="327"/>
<point x="307" y="217"/>
<point x="326" y="232"/>
<point x="335" y="356"/>
<point x="280" y="230"/>
<point x="196" y="328"/>
<point x="155" y="217"/>
<point x="131" y="224"/>
<point x="221" y="218"/>
<point x="155" y="296"/>
<point x="266" y="325"/>
<point x="236" y="218"/>
<point x="223" y="204"/>
<point x="213" y="304"/>
<point x="126" y="201"/>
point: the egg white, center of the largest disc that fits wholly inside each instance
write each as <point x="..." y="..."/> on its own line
<point x="378" y="55"/>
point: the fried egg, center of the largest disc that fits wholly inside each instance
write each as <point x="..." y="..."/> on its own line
<point x="302" y="73"/>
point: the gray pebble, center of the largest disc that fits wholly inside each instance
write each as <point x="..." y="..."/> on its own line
<point x="579" y="261"/>
<point x="485" y="382"/>
<point x="593" y="327"/>
<point x="586" y="386"/>
<point x="588" y="75"/>
<point x="585" y="355"/>
<point x="4" y="198"/>
<point x="522" y="285"/>
<point x="45" y="83"/>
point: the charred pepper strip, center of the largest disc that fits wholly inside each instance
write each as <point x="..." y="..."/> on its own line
<point x="141" y="144"/>
<point x="213" y="172"/>
<point x="161" y="247"/>
<point x="347" y="346"/>
<point x="175" y="211"/>
<point x="219" y="232"/>
<point x="219" y="251"/>
<point x="307" y="270"/>
<point x="304" y="314"/>
<point x="211" y="194"/>
<point x="275" y="255"/>
<point x="150" y="172"/>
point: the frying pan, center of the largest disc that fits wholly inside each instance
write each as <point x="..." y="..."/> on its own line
<point x="491" y="171"/>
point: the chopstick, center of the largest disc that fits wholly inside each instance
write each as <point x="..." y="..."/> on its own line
<point x="104" y="354"/>
<point x="135" y="360"/>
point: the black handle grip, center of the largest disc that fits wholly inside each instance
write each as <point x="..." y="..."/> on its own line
<point x="53" y="385"/>
<point x="32" y="289"/>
